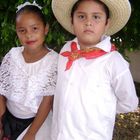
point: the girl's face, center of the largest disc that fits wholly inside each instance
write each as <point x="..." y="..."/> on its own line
<point x="89" y="23"/>
<point x="30" y="30"/>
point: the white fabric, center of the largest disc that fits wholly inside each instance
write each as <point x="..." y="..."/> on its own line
<point x="25" y="84"/>
<point x="89" y="94"/>
<point x="44" y="131"/>
<point x="20" y="111"/>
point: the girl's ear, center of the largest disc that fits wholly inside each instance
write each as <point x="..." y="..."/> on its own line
<point x="46" y="29"/>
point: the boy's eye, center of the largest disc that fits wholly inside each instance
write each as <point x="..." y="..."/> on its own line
<point x="96" y="17"/>
<point x="81" y="16"/>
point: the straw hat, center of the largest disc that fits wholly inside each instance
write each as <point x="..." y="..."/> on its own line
<point x="120" y="11"/>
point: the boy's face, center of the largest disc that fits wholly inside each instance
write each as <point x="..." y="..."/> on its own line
<point x="89" y="23"/>
<point x="30" y="30"/>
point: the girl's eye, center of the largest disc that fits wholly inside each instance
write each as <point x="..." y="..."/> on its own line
<point x="21" y="31"/>
<point x="35" y="28"/>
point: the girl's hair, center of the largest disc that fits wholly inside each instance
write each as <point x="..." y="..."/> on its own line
<point x="32" y="9"/>
<point x="76" y="5"/>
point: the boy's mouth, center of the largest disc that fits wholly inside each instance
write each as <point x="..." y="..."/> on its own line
<point x="88" y="31"/>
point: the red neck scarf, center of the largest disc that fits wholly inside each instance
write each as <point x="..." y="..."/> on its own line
<point x="88" y="53"/>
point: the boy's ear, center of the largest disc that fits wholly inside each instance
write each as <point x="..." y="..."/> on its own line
<point x="46" y="29"/>
<point x="72" y="26"/>
<point x="107" y="25"/>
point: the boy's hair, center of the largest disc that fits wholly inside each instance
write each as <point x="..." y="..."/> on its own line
<point x="76" y="5"/>
<point x="32" y="9"/>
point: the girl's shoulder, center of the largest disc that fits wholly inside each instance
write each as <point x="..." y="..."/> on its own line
<point x="53" y="55"/>
<point x="16" y="49"/>
<point x="12" y="52"/>
<point x="53" y="52"/>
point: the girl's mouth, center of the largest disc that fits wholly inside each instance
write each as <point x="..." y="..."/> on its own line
<point x="30" y="42"/>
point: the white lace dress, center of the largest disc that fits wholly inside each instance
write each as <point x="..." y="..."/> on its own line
<point x="25" y="84"/>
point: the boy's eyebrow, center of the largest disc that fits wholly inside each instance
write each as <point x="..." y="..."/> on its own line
<point x="80" y="12"/>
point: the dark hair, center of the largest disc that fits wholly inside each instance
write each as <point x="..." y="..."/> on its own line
<point x="76" y="5"/>
<point x="32" y="9"/>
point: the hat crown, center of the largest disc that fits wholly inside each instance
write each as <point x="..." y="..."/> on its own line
<point x="120" y="11"/>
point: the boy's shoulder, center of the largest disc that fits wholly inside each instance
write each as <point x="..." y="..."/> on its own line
<point x="66" y="46"/>
<point x="115" y="55"/>
<point x="116" y="59"/>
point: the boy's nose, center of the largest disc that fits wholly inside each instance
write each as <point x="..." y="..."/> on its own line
<point x="88" y="23"/>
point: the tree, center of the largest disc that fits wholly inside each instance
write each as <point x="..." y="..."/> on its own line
<point x="130" y="34"/>
<point x="57" y="36"/>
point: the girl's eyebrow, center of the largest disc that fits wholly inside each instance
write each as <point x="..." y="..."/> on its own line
<point x="19" y="27"/>
<point x="30" y="25"/>
<point x="34" y="25"/>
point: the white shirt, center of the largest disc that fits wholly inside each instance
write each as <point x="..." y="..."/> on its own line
<point x="25" y="84"/>
<point x="89" y="94"/>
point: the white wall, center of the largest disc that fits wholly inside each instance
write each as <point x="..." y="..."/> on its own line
<point x="134" y="64"/>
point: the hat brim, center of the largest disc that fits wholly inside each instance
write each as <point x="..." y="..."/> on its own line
<point x="120" y="11"/>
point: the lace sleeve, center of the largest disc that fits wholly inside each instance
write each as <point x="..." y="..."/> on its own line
<point x="4" y="74"/>
<point x="52" y="77"/>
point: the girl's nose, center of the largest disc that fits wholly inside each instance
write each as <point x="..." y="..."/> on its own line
<point x="29" y="35"/>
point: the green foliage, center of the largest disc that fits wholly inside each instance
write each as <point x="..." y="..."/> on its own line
<point x="55" y="38"/>
<point x="57" y="35"/>
<point x="130" y="34"/>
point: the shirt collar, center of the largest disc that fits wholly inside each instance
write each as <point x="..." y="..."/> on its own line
<point x="104" y="44"/>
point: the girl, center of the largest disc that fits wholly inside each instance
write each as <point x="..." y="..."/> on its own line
<point x="94" y="81"/>
<point x="27" y="79"/>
